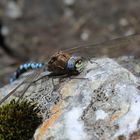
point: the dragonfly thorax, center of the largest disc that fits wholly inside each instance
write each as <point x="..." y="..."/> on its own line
<point x="58" y="63"/>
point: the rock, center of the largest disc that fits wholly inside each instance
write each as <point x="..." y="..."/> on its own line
<point x="100" y="103"/>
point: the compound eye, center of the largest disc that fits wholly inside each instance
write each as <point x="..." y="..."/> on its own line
<point x="79" y="66"/>
<point x="79" y="62"/>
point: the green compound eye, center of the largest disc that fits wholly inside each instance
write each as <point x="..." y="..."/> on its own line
<point x="79" y="65"/>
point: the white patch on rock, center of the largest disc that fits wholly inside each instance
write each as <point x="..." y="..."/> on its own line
<point x="128" y="123"/>
<point x="100" y="114"/>
<point x="74" y="127"/>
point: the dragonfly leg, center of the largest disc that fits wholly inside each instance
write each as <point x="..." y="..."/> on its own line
<point x="89" y="59"/>
<point x="29" y="81"/>
<point x="49" y="74"/>
<point x="24" y="90"/>
<point x="53" y="82"/>
<point x="80" y="78"/>
<point x="42" y="75"/>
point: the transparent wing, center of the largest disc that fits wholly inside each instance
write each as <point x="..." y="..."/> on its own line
<point x="25" y="83"/>
<point x="128" y="45"/>
<point x="38" y="88"/>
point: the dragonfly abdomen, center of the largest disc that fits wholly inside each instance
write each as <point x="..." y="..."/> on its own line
<point x="25" y="67"/>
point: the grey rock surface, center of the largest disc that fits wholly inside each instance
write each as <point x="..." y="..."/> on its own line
<point x="101" y="103"/>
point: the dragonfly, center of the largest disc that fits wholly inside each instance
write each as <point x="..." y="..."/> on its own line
<point x="65" y="63"/>
<point x="59" y="64"/>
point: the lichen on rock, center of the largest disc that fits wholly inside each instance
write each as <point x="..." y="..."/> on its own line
<point x="101" y="103"/>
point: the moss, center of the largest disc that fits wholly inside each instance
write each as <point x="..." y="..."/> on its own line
<point x="18" y="121"/>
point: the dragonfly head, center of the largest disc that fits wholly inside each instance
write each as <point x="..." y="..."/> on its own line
<point x="75" y="64"/>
